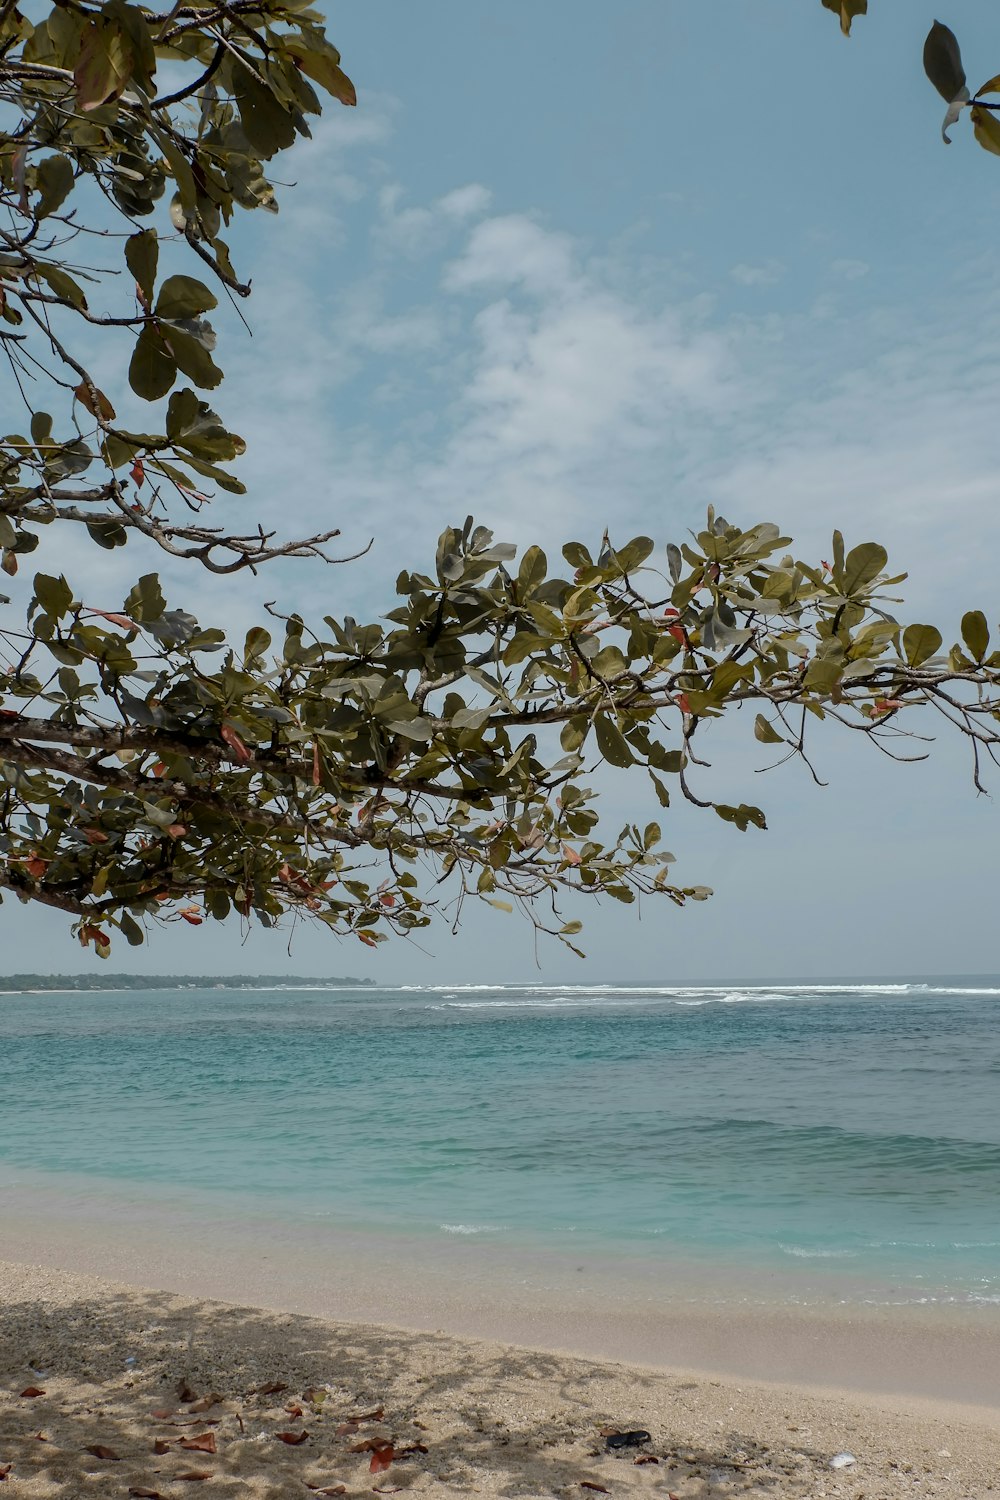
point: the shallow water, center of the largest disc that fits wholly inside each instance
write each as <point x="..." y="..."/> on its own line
<point x="849" y="1132"/>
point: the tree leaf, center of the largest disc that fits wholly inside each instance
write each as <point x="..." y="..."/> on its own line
<point x="943" y="66"/>
<point x="976" y="633"/>
<point x="611" y="742"/>
<point x="103" y="65"/>
<point x="920" y="643"/>
<point x="95" y="401"/>
<point x="943" y="62"/>
<point x="184" y="297"/>
<point x="54" y="181"/>
<point x="766" y="732"/>
<point x="319" y="60"/>
<point x="986" y="128"/>
<point x="53" y="594"/>
<point x="151" y="371"/>
<point x="142" y="253"/>
<point x="862" y="565"/>
<point x="847" y="10"/>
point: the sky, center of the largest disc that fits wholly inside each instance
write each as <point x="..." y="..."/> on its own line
<point x="578" y="265"/>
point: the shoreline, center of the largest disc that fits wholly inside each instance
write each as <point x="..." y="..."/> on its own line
<point x="672" y="1317"/>
<point x="122" y="1369"/>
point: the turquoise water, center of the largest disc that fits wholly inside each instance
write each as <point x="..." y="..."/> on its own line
<point x="856" y="1129"/>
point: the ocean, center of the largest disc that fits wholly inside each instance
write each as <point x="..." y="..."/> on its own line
<point x="836" y="1141"/>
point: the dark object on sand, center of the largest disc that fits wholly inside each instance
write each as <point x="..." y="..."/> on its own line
<point x="627" y="1439"/>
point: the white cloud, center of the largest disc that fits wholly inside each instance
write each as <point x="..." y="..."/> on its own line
<point x="466" y="202"/>
<point x="514" y="250"/>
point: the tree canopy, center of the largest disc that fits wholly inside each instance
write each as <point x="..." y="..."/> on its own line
<point x="364" y="775"/>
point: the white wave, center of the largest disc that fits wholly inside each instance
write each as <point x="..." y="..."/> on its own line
<point x="806" y="1253"/>
<point x="472" y="1228"/>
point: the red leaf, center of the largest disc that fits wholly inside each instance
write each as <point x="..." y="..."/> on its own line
<point x="195" y="1474"/>
<point x="161" y="1446"/>
<point x="235" y="744"/>
<point x="682" y="703"/>
<point x="162" y="1413"/>
<point x="122" y="620"/>
<point x="587" y="1484"/>
<point x="203" y="1443"/>
<point x="94" y="836"/>
<point x="368" y="938"/>
<point x="141" y="1493"/>
<point x="177" y="831"/>
<point x="294" y="1410"/>
<point x="159" y="769"/>
<point x="293" y="1439"/>
<point x="272" y="1389"/>
<point x="4" y="1471"/>
<point x="31" y="1391"/>
<point x="678" y="633"/>
<point x="570" y="855"/>
<point x="100" y="1450"/>
<point x="646" y="1458"/>
<point x="39" y="1437"/>
<point x="381" y="1459"/>
<point x="36" y="866"/>
<point x="387" y="898"/>
<point x="138" y="473"/>
<point x="191" y="914"/>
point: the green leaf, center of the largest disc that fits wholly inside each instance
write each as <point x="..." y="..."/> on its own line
<point x="742" y="816"/>
<point x="184" y="297"/>
<point x="920" y="643"/>
<point x="976" y="633"/>
<point x="574" y="732"/>
<point x="534" y="565"/>
<point x="107" y="534"/>
<point x="142" y="254"/>
<point x="319" y="60"/>
<point x="145" y="602"/>
<point x="133" y="932"/>
<point x="269" y="127"/>
<point x="611" y="742"/>
<point x="53" y="594"/>
<point x="634" y="553"/>
<point x="662" y="794"/>
<point x="191" y="355"/>
<point x="862" y="565"/>
<point x="62" y="285"/>
<point x="765" y="732"/>
<point x="152" y="371"/>
<point x="54" y="181"/>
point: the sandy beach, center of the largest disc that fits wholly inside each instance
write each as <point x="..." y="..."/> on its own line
<point x="111" y="1390"/>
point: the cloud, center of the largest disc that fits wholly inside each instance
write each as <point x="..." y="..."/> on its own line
<point x="767" y="274"/>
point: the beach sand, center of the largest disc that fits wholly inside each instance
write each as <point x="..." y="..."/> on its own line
<point x="133" y="1374"/>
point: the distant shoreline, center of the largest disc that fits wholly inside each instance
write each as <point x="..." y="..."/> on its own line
<point x="32" y="984"/>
